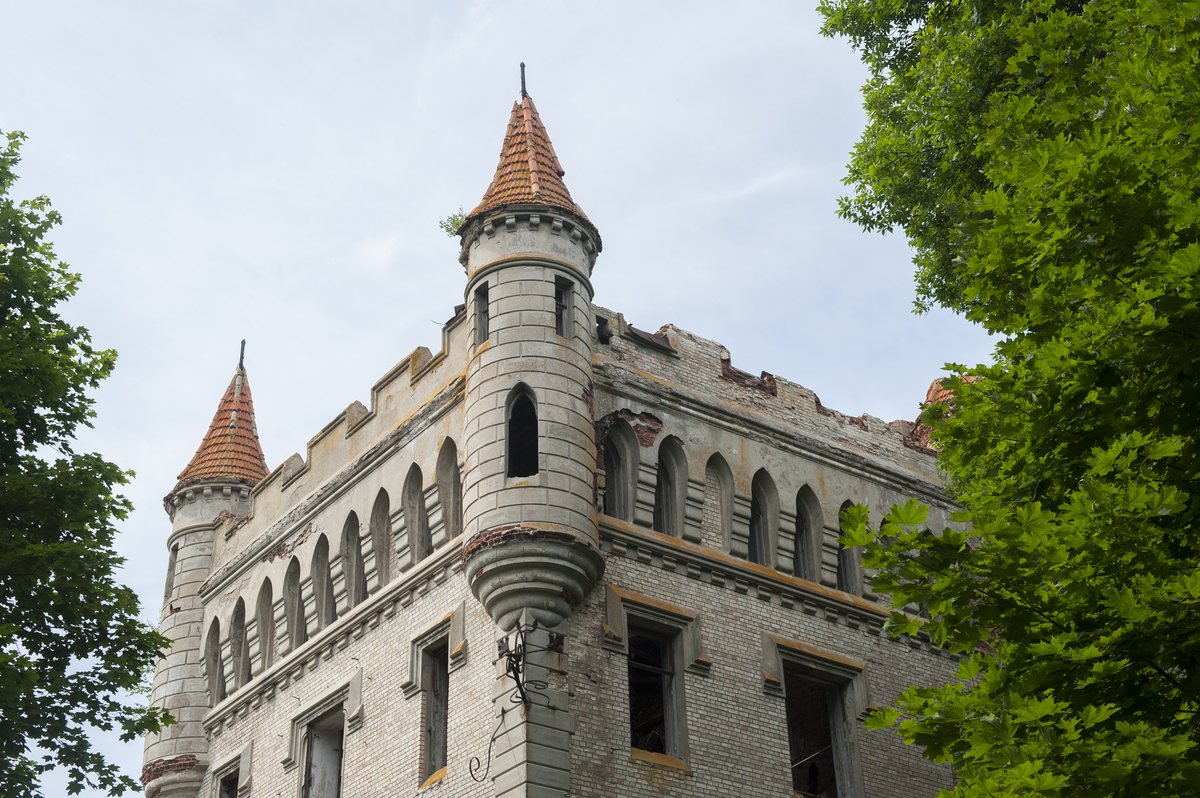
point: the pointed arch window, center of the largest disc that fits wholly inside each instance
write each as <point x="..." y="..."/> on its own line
<point x="352" y="563"/>
<point x="716" y="527"/>
<point x="381" y="529"/>
<point x="293" y="607"/>
<point x="325" y="612"/>
<point x="416" y="517"/>
<point x="670" y="490"/>
<point x="848" y="578"/>
<point x="621" y="452"/>
<point x="239" y="652"/>
<point x="806" y="556"/>
<point x="522" y="434"/>
<point x="449" y="487"/>
<point x="764" y="519"/>
<point x="265" y="615"/>
<point x="212" y="664"/>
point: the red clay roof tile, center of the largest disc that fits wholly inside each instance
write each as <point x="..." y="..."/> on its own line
<point x="230" y="450"/>
<point x="529" y="171"/>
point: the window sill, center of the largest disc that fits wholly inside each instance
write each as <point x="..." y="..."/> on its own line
<point x="434" y="779"/>
<point x="659" y="760"/>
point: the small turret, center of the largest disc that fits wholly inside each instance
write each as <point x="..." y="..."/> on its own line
<point x="215" y="484"/>
<point x="528" y="491"/>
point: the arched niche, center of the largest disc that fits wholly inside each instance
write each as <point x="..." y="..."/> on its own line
<point x="670" y="487"/>
<point x="212" y="664"/>
<point x="449" y="488"/>
<point x="293" y="607"/>
<point x="810" y="530"/>
<point x="264" y="613"/>
<point x="377" y="567"/>
<point x="764" y="519"/>
<point x="716" y="523"/>
<point x="416" y="517"/>
<point x="621" y="452"/>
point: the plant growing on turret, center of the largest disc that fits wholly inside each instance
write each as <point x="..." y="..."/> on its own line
<point x="70" y="640"/>
<point x="452" y="222"/>
<point x="1044" y="160"/>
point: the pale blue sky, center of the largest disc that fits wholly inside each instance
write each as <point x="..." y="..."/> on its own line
<point x="275" y="171"/>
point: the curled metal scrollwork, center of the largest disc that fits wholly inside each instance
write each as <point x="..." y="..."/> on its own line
<point x="525" y="690"/>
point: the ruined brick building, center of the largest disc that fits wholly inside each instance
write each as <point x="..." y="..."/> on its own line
<point x="600" y="560"/>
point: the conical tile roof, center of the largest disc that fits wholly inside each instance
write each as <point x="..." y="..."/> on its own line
<point x="230" y="450"/>
<point x="529" y="171"/>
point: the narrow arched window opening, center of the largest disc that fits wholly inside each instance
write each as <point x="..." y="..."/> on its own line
<point x="449" y="485"/>
<point x="352" y="563"/>
<point x="381" y="530"/>
<point x="522" y="437"/>
<point x="620" y="470"/>
<point x="171" y="564"/>
<point x="297" y="632"/>
<point x="614" y="489"/>
<point x="212" y="664"/>
<point x="670" y="490"/>
<point x="325" y="609"/>
<point x="847" y="571"/>
<point x="764" y="519"/>
<point x="416" y="517"/>
<point x="806" y="556"/>
<point x="757" y="545"/>
<point x="717" y="521"/>
<point x="239" y="652"/>
<point x="265" y="613"/>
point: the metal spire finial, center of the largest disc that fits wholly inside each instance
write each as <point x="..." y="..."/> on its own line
<point x="523" y="94"/>
<point x="242" y="356"/>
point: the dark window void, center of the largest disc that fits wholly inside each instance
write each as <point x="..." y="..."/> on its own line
<point x="481" y="315"/>
<point x="229" y="786"/>
<point x="757" y="545"/>
<point x="522" y="438"/>
<point x="810" y="737"/>
<point x="602" y="330"/>
<point x="563" y="290"/>
<point x="801" y="554"/>
<point x="664" y="499"/>
<point x="651" y="721"/>
<point x="323" y="756"/>
<point x="845" y="576"/>
<point x="437" y="708"/>
<point x="613" y="479"/>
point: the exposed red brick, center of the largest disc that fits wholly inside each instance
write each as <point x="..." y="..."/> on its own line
<point x="765" y="383"/>
<point x="161" y="767"/>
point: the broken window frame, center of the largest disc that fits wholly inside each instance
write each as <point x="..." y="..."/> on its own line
<point x="435" y="710"/>
<point x="325" y="721"/>
<point x="818" y="753"/>
<point x="668" y="686"/>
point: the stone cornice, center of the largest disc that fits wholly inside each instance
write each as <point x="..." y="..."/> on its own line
<point x="304" y="511"/>
<point x="622" y="539"/>
<point x="401" y="593"/>
<point x="652" y="393"/>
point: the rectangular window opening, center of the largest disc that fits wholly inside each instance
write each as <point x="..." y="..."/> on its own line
<point x="563" y="290"/>
<point x="811" y="736"/>
<point x="437" y="708"/>
<point x="481" y="315"/>
<point x="651" y="693"/>
<point x="323" y="755"/>
<point x="229" y="786"/>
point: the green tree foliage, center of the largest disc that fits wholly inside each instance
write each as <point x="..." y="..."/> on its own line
<point x="1044" y="160"/>
<point x="70" y="639"/>
<point x="452" y="222"/>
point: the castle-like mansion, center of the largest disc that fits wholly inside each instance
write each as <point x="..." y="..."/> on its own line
<point x="560" y="556"/>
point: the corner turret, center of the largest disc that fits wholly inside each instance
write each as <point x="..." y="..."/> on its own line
<point x="215" y="485"/>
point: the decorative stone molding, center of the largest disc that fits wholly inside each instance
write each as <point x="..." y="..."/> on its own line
<point x="291" y="667"/>
<point x="452" y="629"/>
<point x="621" y="603"/>
<point x="779" y="653"/>
<point x="241" y="764"/>
<point x="348" y="693"/>
<point x="619" y="538"/>
<point x="548" y="571"/>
